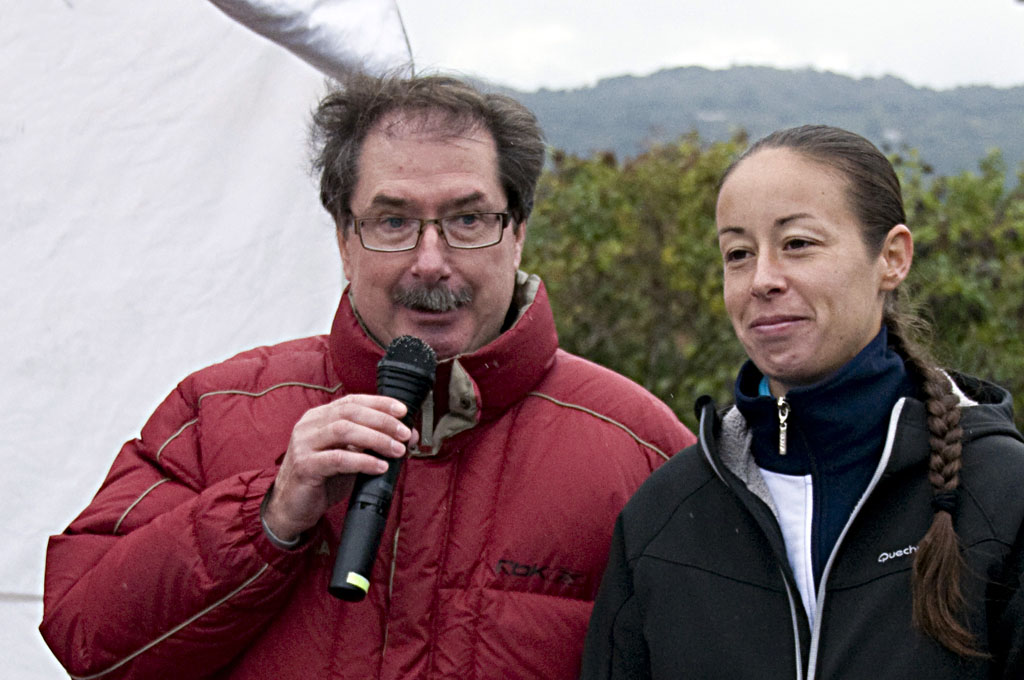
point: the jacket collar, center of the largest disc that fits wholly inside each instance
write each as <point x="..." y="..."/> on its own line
<point x="836" y="424"/>
<point x="469" y="388"/>
<point x="987" y="410"/>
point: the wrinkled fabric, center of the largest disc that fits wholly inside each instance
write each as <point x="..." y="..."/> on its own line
<point x="334" y="36"/>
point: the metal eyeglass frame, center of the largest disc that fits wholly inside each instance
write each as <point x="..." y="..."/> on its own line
<point x="505" y="221"/>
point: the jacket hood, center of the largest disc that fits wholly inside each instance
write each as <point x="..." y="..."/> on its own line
<point x="987" y="408"/>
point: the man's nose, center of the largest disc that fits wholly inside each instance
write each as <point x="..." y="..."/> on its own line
<point x="432" y="254"/>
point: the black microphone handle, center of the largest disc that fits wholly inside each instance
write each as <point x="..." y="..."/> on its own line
<point x="407" y="374"/>
<point x="360" y="537"/>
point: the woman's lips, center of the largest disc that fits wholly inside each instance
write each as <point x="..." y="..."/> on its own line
<point x="776" y="322"/>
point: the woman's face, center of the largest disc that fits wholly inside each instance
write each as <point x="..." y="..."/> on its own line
<point x="802" y="291"/>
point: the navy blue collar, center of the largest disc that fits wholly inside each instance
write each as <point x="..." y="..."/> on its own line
<point x="833" y="423"/>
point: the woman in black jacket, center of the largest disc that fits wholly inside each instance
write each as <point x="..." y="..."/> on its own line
<point x="859" y="513"/>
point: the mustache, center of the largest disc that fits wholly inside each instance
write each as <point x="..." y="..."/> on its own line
<point x="432" y="299"/>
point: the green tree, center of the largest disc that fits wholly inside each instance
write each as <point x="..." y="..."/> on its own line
<point x="630" y="259"/>
<point x="968" y="272"/>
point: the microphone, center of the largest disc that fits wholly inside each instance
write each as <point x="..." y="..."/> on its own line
<point x="406" y="373"/>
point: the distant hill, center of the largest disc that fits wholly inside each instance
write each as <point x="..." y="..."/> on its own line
<point x="953" y="129"/>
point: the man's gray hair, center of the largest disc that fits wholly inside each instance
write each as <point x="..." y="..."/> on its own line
<point x="345" y="116"/>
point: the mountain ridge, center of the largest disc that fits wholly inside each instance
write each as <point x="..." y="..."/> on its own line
<point x="952" y="129"/>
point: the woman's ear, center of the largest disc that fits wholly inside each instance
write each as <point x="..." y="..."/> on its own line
<point x="896" y="256"/>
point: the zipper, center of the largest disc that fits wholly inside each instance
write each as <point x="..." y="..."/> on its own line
<point x="795" y="622"/>
<point x="783" y="416"/>
<point x="391" y="589"/>
<point x="883" y="463"/>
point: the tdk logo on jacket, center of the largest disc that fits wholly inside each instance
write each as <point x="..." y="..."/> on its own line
<point x="544" y="572"/>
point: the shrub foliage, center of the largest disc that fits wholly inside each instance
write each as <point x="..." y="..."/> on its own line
<point x="628" y="253"/>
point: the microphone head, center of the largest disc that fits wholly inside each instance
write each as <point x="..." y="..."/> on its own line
<point x="408" y="349"/>
<point x="407" y="372"/>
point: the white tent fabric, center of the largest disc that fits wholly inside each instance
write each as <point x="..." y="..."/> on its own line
<point x="156" y="215"/>
<point x="332" y="35"/>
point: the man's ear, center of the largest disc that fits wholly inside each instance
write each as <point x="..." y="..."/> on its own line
<point x="896" y="256"/>
<point x="519" y="233"/>
<point x="343" y="233"/>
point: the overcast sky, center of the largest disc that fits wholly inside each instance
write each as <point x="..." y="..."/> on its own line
<point x="559" y="44"/>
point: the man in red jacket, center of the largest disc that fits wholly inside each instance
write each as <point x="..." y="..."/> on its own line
<point x="208" y="548"/>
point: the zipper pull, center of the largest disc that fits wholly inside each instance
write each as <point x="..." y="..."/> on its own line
<point x="783" y="415"/>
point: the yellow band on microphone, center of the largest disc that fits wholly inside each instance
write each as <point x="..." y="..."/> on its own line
<point x="358" y="581"/>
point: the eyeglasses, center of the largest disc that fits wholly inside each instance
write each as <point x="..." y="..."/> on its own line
<point x="465" y="230"/>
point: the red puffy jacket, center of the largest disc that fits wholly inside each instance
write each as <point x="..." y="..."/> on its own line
<point x="497" y="537"/>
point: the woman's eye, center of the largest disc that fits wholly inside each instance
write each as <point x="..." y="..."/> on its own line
<point x="796" y="243"/>
<point x="736" y="255"/>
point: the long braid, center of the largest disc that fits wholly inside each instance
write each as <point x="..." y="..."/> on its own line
<point x="938" y="601"/>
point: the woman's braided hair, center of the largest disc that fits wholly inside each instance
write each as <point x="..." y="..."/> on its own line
<point x="873" y="192"/>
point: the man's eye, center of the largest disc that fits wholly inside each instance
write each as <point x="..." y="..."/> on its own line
<point x="467" y="220"/>
<point x="393" y="222"/>
<point x="796" y="243"/>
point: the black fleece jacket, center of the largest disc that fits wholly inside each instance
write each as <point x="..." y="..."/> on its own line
<point x="698" y="584"/>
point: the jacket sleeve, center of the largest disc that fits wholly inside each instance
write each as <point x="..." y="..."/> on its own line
<point x="615" y="648"/>
<point x="163" y="575"/>
<point x="1011" y="623"/>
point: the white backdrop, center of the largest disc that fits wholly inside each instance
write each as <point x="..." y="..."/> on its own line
<point x="156" y="215"/>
